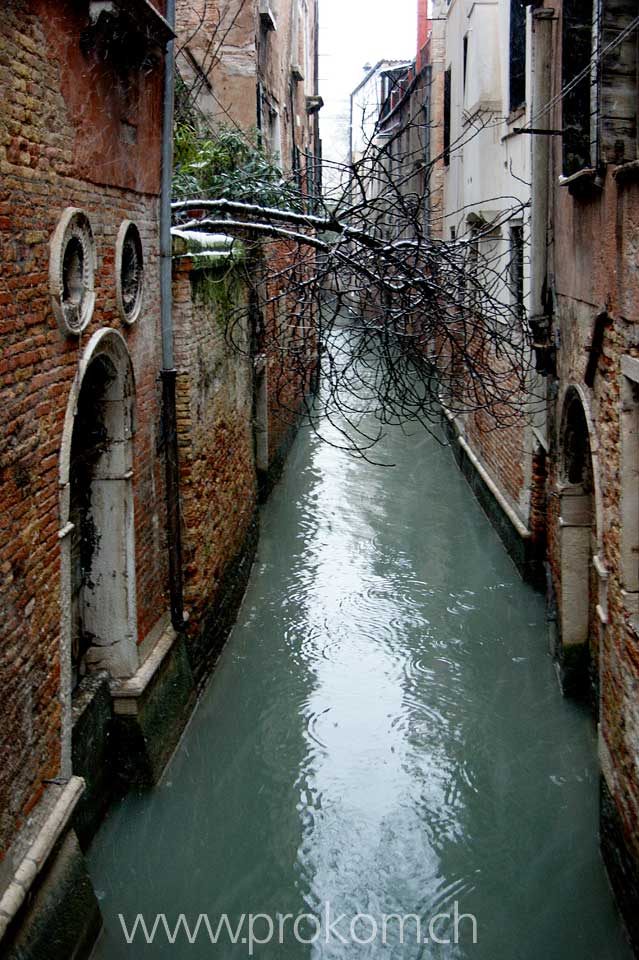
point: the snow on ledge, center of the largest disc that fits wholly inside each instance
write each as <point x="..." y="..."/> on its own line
<point x="205" y="247"/>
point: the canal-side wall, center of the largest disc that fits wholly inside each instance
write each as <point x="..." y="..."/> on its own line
<point x="79" y="164"/>
<point x="592" y="488"/>
<point x="524" y="543"/>
<point x="216" y="436"/>
<point x="594" y="419"/>
<point x="96" y="683"/>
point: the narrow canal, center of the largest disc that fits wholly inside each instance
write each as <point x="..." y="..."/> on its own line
<point x="383" y="735"/>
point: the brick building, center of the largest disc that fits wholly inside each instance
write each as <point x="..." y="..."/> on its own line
<point x="254" y="67"/>
<point x="585" y="277"/>
<point x="129" y="520"/>
<point x="84" y="568"/>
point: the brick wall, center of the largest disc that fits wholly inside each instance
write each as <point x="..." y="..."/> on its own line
<point x="63" y="143"/>
<point x="592" y="267"/>
<point x="502" y="449"/>
<point x="289" y="341"/>
<point x="215" y="415"/>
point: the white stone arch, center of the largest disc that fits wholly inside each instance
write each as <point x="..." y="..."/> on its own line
<point x="107" y="595"/>
<point x="580" y="538"/>
<point x="574" y="392"/>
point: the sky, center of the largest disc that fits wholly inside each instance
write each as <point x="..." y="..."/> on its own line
<point x="352" y="33"/>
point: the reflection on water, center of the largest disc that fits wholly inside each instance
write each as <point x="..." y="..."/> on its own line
<point x="384" y="733"/>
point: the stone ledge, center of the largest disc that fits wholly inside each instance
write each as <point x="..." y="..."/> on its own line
<point x="583" y="184"/>
<point x="39" y="852"/>
<point x="150" y="711"/>
<point x="126" y="692"/>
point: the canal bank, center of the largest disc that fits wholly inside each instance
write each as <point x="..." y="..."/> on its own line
<point x="383" y="734"/>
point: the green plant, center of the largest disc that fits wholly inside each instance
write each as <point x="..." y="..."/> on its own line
<point x="228" y="164"/>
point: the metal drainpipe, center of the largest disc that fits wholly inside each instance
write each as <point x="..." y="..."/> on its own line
<point x="541" y="145"/>
<point x="169" y="373"/>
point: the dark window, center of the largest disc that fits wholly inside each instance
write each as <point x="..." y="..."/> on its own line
<point x="310" y="183"/>
<point x="427" y="149"/>
<point x="517" y="54"/>
<point x="576" y="61"/>
<point x="517" y="269"/>
<point x="465" y="60"/>
<point x="618" y="95"/>
<point x="447" y="97"/>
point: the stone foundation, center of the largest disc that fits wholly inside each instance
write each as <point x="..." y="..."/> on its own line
<point x="48" y="910"/>
<point x="205" y="645"/>
<point x="92" y="753"/>
<point x="62" y="919"/>
<point x="150" y="712"/>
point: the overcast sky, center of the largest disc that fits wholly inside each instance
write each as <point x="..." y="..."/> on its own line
<point x="352" y="33"/>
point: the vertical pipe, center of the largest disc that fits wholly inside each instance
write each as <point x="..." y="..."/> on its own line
<point x="317" y="155"/>
<point x="165" y="195"/>
<point x="541" y="146"/>
<point x="169" y="373"/>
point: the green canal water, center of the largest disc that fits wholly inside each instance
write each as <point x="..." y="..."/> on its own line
<point x="384" y="735"/>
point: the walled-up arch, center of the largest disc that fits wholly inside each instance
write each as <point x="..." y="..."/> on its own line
<point x="98" y="619"/>
<point x="579" y="534"/>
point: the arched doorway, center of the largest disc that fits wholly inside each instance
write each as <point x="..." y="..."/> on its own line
<point x="578" y="640"/>
<point x="98" y="568"/>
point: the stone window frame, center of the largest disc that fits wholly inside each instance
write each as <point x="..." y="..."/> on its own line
<point x="73" y="231"/>
<point x="128" y="315"/>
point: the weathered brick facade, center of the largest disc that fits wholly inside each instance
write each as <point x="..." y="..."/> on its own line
<point x="215" y="401"/>
<point x="255" y="65"/>
<point x="66" y="122"/>
<point x="593" y="458"/>
<point x="82" y="455"/>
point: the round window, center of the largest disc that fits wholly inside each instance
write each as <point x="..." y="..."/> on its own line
<point x="129" y="272"/>
<point x="72" y="272"/>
